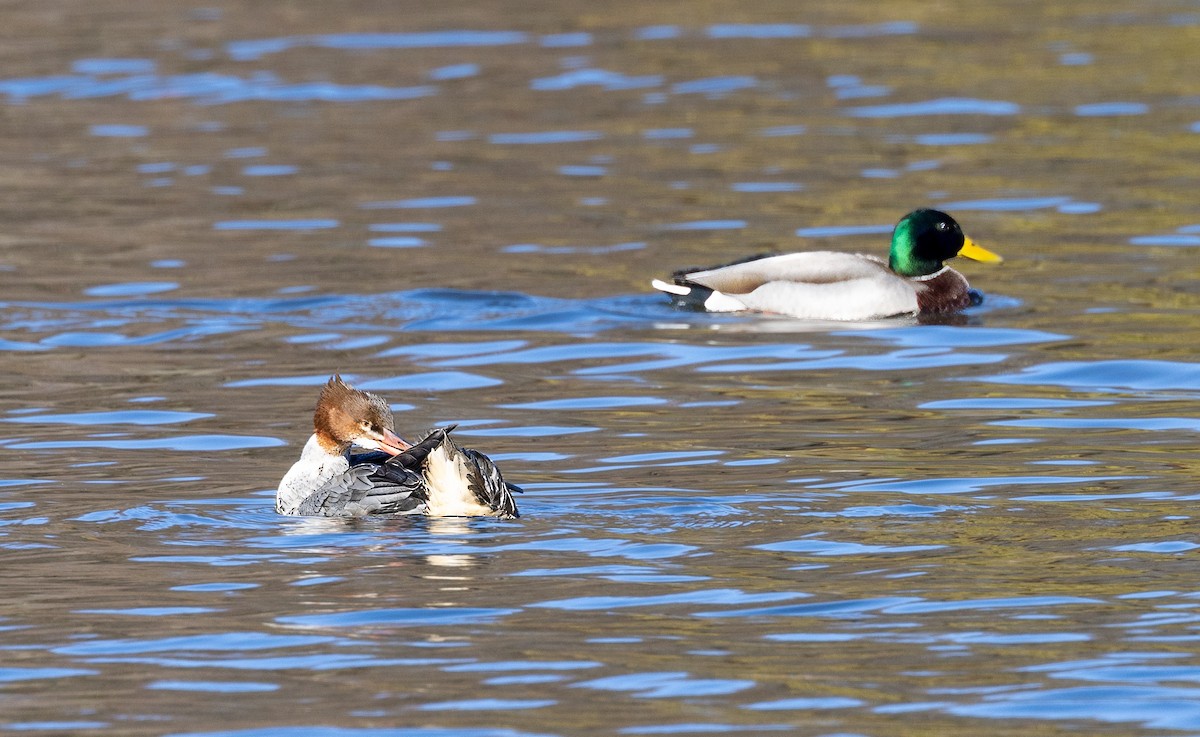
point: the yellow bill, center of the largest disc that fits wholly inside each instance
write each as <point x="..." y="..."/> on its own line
<point x="978" y="253"/>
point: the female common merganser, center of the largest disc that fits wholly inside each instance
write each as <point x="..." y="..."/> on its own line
<point x="433" y="477"/>
<point x="828" y="285"/>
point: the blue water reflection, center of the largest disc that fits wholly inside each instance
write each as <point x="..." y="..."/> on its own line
<point x="943" y="106"/>
<point x="1023" y="204"/>
<point x="1097" y="109"/>
<point x="544" y="137"/>
<point x="396" y="617"/>
<point x="117" y="130"/>
<point x="206" y="88"/>
<point x="317" y="730"/>
<point x="299" y="225"/>
<point x="182" y="443"/>
<point x="601" y="78"/>
<point x="772" y="30"/>
<point x="667" y="685"/>
<point x="119" y="417"/>
<point x="255" y="49"/>
<point x="421" y="203"/>
<point x="1155" y="707"/>
<point x="1188" y="235"/>
<point x="1107" y="375"/>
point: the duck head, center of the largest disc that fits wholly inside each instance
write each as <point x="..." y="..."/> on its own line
<point x="347" y="416"/>
<point x="924" y="238"/>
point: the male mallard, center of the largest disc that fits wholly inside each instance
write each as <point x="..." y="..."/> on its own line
<point x="828" y="285"/>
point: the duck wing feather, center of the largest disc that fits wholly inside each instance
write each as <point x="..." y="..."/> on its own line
<point x="806" y="267"/>
<point x="489" y="487"/>
<point x="367" y="489"/>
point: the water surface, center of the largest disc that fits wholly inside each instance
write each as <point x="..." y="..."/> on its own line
<point x="732" y="524"/>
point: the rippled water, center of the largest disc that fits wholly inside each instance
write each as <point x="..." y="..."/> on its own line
<point x="731" y="524"/>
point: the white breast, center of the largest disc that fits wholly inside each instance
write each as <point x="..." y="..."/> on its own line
<point x="306" y="475"/>
<point x="853" y="299"/>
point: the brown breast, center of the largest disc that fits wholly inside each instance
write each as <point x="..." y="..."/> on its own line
<point x="944" y="293"/>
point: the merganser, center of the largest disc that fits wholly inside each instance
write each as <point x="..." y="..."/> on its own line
<point x="433" y="477"/>
<point x="829" y="285"/>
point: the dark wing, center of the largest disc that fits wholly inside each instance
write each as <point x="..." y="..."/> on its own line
<point x="483" y="478"/>
<point x="490" y="488"/>
<point x="378" y="457"/>
<point x="414" y="457"/>
<point x="367" y="489"/>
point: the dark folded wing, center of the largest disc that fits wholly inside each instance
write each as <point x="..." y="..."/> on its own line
<point x="413" y="458"/>
<point x="489" y="486"/>
<point x="367" y="489"/>
<point x="483" y="478"/>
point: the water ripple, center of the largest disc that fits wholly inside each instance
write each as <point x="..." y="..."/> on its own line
<point x="667" y="685"/>
<point x="765" y="30"/>
<point x="943" y="106"/>
<point x="838" y="608"/>
<point x="1011" y="602"/>
<point x="255" y="49"/>
<point x="705" y="728"/>
<point x="544" y="137"/>
<point x="1102" y="109"/>
<point x="706" y="596"/>
<point x="715" y="87"/>
<point x="831" y="547"/>
<point x="1011" y="403"/>
<point x="119" y="417"/>
<point x="1065" y="205"/>
<point x="805" y="704"/>
<point x="217" y="641"/>
<point x="13" y="675"/>
<point x="601" y="78"/>
<point x="508" y="666"/>
<point x="131" y="289"/>
<point x="587" y="403"/>
<point x="1107" y="376"/>
<point x="316" y="730"/>
<point x="213" y="686"/>
<point x="1165" y="546"/>
<point x="397" y="617"/>
<point x="945" y="336"/>
<point x="185" y="443"/>
<point x="1156" y="707"/>
<point x="207" y="88"/>
<point x="487" y="705"/>
<point x="969" y="485"/>
<point x="1106" y="423"/>
<point x="331" y="317"/>
<point x="316" y="224"/>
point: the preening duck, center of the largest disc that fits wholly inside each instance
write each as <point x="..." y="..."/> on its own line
<point x="829" y="285"/>
<point x="434" y="477"/>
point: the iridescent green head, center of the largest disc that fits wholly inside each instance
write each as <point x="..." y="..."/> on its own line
<point x="924" y="238"/>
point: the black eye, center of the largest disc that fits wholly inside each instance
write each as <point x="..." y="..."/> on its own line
<point x="942" y="225"/>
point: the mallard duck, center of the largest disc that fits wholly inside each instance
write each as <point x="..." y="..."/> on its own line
<point x="829" y="285"/>
<point x="434" y="477"/>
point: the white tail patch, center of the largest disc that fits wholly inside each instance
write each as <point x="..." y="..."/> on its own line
<point x="662" y="286"/>
<point x="718" y="302"/>
<point x="450" y="492"/>
<point x="715" y="302"/>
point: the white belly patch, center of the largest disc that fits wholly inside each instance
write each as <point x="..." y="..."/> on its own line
<point x="450" y="493"/>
